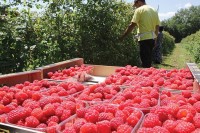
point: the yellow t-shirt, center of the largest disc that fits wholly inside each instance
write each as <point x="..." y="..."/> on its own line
<point x="146" y="19"/>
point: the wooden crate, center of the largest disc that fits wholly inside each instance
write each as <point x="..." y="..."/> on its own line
<point x="59" y="66"/>
<point x="20" y="77"/>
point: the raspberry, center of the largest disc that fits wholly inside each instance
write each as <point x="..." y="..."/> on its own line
<point x="170" y="125"/>
<point x="69" y="129"/>
<point x="3" y="118"/>
<point x="124" y="129"/>
<point x="104" y="126"/>
<point x="196" y="120"/>
<point x="17" y="114"/>
<point x="128" y="94"/>
<point x="53" y="118"/>
<point x="151" y="120"/>
<point x="196" y="130"/>
<point x="31" y="121"/>
<point x="161" y="112"/>
<point x="79" y="123"/>
<point x="92" y="115"/>
<point x="145" y="130"/>
<point x="154" y="94"/>
<point x="69" y="105"/>
<point x="115" y="122"/>
<point x="186" y="93"/>
<point x="120" y="113"/>
<point x="197" y="106"/>
<point x="21" y="96"/>
<point x="48" y="110"/>
<point x="105" y="116"/>
<point x="42" y="125"/>
<point x="158" y="129"/>
<point x="7" y="98"/>
<point x="31" y="104"/>
<point x="184" y="114"/>
<point x="100" y="108"/>
<point x="38" y="113"/>
<point x="132" y="120"/>
<point x="184" y="127"/>
<point x="88" y="128"/>
<point x="172" y="108"/>
<point x="66" y="114"/>
<point x="81" y="112"/>
<point x="196" y="96"/>
<point x="59" y="111"/>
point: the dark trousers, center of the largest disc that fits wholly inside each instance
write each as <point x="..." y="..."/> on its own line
<point x="146" y="49"/>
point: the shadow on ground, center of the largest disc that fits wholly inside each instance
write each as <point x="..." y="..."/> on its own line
<point x="163" y="65"/>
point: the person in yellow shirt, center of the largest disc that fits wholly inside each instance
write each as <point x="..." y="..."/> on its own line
<point x="147" y="21"/>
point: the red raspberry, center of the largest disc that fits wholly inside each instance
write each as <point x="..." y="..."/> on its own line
<point x="115" y="122"/>
<point x="197" y="106"/>
<point x="104" y="126"/>
<point x="100" y="108"/>
<point x="172" y="108"/>
<point x="21" y="96"/>
<point x="59" y="111"/>
<point x="120" y="113"/>
<point x="128" y="94"/>
<point x="66" y="114"/>
<point x="197" y="130"/>
<point x="49" y="110"/>
<point x="186" y="93"/>
<point x="124" y="129"/>
<point x="53" y="118"/>
<point x="7" y="98"/>
<point x="38" y="113"/>
<point x="196" y="96"/>
<point x="192" y="100"/>
<point x="158" y="129"/>
<point x="79" y="123"/>
<point x="105" y="116"/>
<point x="184" y="114"/>
<point x="31" y="121"/>
<point x="42" y="126"/>
<point x="154" y="94"/>
<point x="145" y="130"/>
<point x="69" y="129"/>
<point x="184" y="127"/>
<point x="92" y="115"/>
<point x="132" y="120"/>
<point x="151" y="120"/>
<point x="161" y="112"/>
<point x="3" y="118"/>
<point x="31" y="104"/>
<point x="89" y="128"/>
<point x="196" y="120"/>
<point x="69" y="105"/>
<point x="81" y="112"/>
<point x="18" y="114"/>
<point x="170" y="125"/>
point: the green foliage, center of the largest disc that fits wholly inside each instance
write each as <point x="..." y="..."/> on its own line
<point x="192" y="44"/>
<point x="168" y="43"/>
<point x="65" y="30"/>
<point x="185" y="22"/>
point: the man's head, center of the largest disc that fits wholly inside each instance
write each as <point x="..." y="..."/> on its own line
<point x="138" y="3"/>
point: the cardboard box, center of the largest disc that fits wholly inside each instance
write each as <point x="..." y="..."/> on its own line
<point x="20" y="77"/>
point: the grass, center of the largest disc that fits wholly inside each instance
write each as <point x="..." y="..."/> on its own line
<point x="177" y="59"/>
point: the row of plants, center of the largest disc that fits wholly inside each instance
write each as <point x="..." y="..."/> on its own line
<point x="192" y="44"/>
<point x="66" y="29"/>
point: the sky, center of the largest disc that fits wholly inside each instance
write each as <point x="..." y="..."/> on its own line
<point x="167" y="8"/>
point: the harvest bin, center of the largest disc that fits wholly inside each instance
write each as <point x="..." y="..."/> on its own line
<point x="20" y="77"/>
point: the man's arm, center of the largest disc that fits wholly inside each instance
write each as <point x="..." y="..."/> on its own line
<point x="157" y="29"/>
<point x="128" y="30"/>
